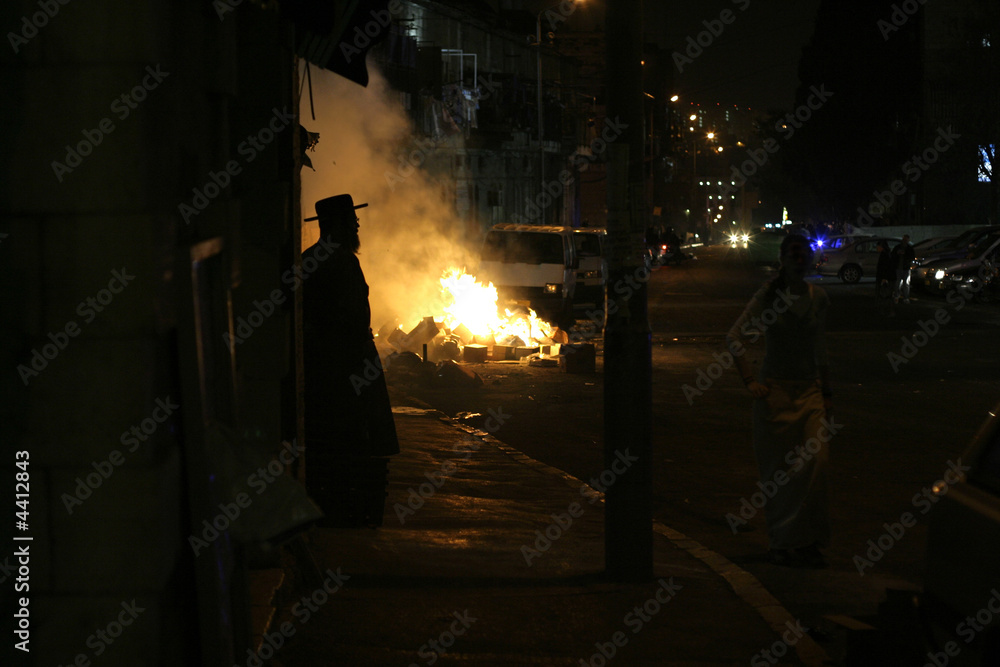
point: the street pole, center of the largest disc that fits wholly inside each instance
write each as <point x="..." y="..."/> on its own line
<point x="628" y="531"/>
<point x="541" y="113"/>
<point x="694" y="171"/>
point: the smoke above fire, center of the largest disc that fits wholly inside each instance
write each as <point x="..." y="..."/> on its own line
<point x="410" y="233"/>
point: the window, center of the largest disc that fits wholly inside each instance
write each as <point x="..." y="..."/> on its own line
<point x="588" y="245"/>
<point x="984" y="245"/>
<point x="986" y="160"/>
<point x="523" y="247"/>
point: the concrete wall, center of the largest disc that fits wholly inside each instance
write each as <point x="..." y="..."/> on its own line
<point x="109" y="513"/>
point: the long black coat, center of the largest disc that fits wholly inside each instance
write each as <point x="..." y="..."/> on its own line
<point x="886" y="269"/>
<point x="347" y="409"/>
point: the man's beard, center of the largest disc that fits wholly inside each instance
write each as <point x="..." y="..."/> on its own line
<point x="345" y="239"/>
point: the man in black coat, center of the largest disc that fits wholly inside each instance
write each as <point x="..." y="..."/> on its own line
<point x="348" y="418"/>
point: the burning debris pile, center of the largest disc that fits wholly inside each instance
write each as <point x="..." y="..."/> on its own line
<point x="468" y="327"/>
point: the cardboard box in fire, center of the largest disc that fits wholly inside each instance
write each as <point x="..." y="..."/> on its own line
<point x="432" y="341"/>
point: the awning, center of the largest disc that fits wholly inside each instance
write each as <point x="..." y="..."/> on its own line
<point x="337" y="34"/>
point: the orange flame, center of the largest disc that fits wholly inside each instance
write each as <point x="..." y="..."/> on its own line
<point x="474" y="304"/>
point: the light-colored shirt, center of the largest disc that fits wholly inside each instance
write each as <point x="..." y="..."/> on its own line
<point x="794" y="330"/>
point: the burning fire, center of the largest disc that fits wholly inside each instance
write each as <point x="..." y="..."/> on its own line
<point x="474" y="305"/>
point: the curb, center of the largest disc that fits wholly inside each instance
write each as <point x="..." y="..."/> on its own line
<point x="746" y="586"/>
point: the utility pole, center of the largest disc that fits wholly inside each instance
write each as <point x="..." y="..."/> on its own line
<point x="628" y="531"/>
<point x="541" y="108"/>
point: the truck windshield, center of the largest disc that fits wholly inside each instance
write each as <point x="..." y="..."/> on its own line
<point x="523" y="248"/>
<point x="588" y="245"/>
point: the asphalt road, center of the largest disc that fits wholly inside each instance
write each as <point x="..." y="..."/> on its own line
<point x="903" y="426"/>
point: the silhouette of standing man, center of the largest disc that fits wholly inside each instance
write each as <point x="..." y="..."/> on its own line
<point x="348" y="418"/>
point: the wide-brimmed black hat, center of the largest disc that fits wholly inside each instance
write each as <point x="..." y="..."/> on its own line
<point x="340" y="206"/>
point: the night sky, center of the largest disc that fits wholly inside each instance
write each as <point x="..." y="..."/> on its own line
<point x="753" y="63"/>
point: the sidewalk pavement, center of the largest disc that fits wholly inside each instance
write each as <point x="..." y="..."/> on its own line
<point x="447" y="579"/>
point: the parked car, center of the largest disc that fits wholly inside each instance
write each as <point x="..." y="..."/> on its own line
<point x="962" y="572"/>
<point x="853" y="260"/>
<point x="764" y="247"/>
<point x="931" y="244"/>
<point x="592" y="273"/>
<point x="952" y="620"/>
<point x="836" y="242"/>
<point x="957" y="247"/>
<point x="947" y="274"/>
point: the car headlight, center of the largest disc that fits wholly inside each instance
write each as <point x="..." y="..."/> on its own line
<point x="733" y="238"/>
<point x="939" y="275"/>
<point x="553" y="288"/>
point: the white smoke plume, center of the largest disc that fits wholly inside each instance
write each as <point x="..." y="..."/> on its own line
<point x="409" y="233"/>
